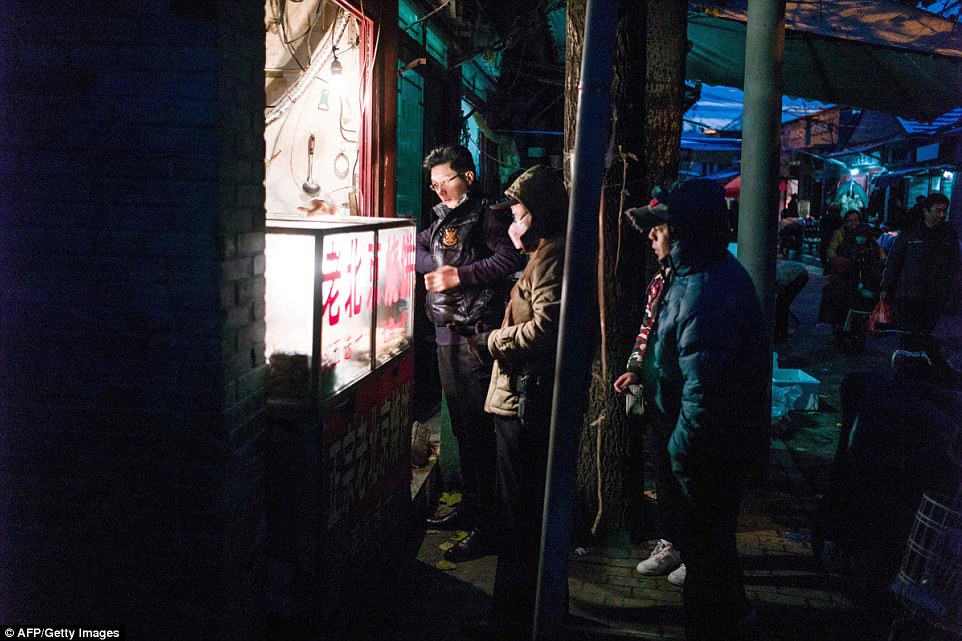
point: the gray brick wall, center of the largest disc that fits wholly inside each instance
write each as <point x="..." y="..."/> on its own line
<point x="131" y="316"/>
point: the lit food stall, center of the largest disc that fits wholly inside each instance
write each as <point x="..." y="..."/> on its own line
<point x="338" y="295"/>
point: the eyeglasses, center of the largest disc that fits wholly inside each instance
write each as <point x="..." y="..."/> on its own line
<point x="438" y="186"/>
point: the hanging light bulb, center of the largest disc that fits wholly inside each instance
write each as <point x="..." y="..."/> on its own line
<point x="336" y="67"/>
<point x="337" y="74"/>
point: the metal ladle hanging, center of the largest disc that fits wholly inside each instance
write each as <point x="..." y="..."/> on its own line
<point x="310" y="187"/>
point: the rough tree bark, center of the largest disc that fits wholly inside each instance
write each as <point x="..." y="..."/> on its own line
<point x="647" y="96"/>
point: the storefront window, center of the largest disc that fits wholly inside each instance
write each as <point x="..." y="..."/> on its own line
<point x="346" y="308"/>
<point x="395" y="289"/>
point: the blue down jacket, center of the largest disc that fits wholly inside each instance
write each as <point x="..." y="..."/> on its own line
<point x="706" y="379"/>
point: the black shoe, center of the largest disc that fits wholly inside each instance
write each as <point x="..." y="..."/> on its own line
<point x="473" y="546"/>
<point x="452" y="520"/>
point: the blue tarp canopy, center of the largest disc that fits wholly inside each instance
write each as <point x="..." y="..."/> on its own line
<point x="710" y="143"/>
<point x="869" y="54"/>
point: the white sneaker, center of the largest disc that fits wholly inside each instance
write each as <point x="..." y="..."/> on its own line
<point x="678" y="576"/>
<point x="663" y="559"/>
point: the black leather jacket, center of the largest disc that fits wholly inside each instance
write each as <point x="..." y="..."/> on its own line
<point x="474" y="239"/>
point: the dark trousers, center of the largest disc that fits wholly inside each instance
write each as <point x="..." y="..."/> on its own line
<point x="783" y="302"/>
<point x="465" y="383"/>
<point x="918" y="318"/>
<point x="714" y="594"/>
<point x="669" y="507"/>
<point x="522" y="465"/>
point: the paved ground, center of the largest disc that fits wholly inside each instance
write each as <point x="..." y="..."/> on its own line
<point x="411" y="599"/>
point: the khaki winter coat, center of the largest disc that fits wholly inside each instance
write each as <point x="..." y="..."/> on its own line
<point x="527" y="341"/>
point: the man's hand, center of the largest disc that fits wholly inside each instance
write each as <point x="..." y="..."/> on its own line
<point x="318" y="207"/>
<point x="623" y="381"/>
<point x="442" y="278"/>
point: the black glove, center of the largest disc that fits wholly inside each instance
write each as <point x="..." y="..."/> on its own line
<point x="478" y="346"/>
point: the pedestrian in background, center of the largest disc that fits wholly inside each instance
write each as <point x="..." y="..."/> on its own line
<point x="706" y="371"/>
<point x="855" y="268"/>
<point x="828" y="225"/>
<point x="921" y="281"/>
<point x="790" y="279"/>
<point x="466" y="258"/>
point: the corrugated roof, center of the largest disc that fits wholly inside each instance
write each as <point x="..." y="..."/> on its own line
<point x="881" y="22"/>
<point x="948" y="119"/>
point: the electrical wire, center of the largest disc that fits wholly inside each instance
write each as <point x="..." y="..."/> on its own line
<point x="294" y="92"/>
<point x="484" y="153"/>
<point x="285" y="40"/>
<point x="429" y="14"/>
<point x="340" y="123"/>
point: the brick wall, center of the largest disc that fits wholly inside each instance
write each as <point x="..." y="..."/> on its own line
<point x="131" y="316"/>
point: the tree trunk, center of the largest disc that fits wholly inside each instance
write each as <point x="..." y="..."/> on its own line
<point x="647" y="124"/>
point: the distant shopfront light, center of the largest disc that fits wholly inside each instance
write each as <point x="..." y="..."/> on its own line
<point x="853" y="171"/>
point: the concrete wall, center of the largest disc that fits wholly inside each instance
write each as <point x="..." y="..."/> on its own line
<point x="131" y="316"/>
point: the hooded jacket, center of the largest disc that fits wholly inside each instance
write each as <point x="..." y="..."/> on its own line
<point x="705" y="374"/>
<point x="527" y="341"/>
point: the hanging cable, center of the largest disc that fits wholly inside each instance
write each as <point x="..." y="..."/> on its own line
<point x="598" y="424"/>
<point x="431" y="13"/>
<point x="624" y="157"/>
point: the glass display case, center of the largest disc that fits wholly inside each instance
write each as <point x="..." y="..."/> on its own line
<point x="338" y="296"/>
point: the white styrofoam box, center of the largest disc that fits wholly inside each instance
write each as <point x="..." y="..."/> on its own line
<point x="809" y="384"/>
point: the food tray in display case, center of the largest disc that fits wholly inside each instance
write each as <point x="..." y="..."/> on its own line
<point x="338" y="299"/>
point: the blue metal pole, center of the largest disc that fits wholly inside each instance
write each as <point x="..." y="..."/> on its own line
<point x="579" y="313"/>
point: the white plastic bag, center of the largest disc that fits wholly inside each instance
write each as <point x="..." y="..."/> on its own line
<point x="783" y="399"/>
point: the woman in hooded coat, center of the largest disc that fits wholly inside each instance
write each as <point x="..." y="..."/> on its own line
<point x="520" y="394"/>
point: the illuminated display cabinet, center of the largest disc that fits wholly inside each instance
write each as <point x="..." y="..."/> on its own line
<point x="338" y="293"/>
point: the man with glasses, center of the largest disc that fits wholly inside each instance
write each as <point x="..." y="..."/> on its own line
<point x="467" y="258"/>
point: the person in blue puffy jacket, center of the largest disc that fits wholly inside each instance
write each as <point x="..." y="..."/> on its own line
<point x="707" y="379"/>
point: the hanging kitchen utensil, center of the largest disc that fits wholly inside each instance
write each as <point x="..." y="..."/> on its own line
<point x="342" y="165"/>
<point x="310" y="187"/>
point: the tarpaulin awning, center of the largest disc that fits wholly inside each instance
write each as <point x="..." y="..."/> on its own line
<point x="870" y="54"/>
<point x="733" y="187"/>
<point x="892" y="177"/>
<point x="710" y="143"/>
<point x="722" y="177"/>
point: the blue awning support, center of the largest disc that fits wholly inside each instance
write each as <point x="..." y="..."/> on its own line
<point x="578" y="314"/>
